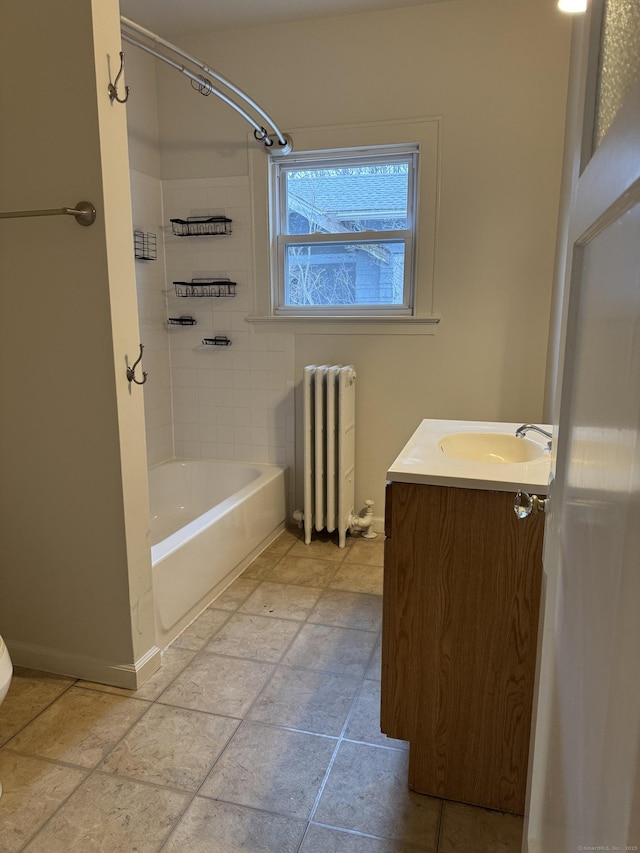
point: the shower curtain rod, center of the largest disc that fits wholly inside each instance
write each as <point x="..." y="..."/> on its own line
<point x="260" y="133"/>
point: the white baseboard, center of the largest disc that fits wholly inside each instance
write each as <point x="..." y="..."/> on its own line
<point x="131" y="676"/>
<point x="378" y="524"/>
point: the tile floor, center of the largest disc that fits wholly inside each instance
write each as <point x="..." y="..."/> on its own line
<point x="259" y="733"/>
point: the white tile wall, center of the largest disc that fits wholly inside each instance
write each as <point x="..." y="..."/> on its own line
<point x="236" y="402"/>
<point x="230" y="403"/>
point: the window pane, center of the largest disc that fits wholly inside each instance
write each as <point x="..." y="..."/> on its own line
<point x="345" y="273"/>
<point x="337" y="200"/>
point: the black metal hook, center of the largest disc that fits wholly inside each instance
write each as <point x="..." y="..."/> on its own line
<point x="113" y="87"/>
<point x="131" y="371"/>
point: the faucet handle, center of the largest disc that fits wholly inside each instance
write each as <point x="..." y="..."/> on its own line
<point x="526" y="504"/>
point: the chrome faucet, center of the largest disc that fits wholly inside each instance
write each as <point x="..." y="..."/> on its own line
<point x="520" y="432"/>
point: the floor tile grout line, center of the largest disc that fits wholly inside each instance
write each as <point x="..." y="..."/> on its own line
<point x="340" y="740"/>
<point x="416" y="847"/>
<point x="342" y="736"/>
<point x="229" y="613"/>
<point x="88" y="771"/>
<point x="39" y="714"/>
<point x="325" y="780"/>
<point x="46" y="760"/>
<point x="195" y="794"/>
<point x="200" y="653"/>
<point x="255" y="809"/>
<point x="279" y="663"/>
<point x="312" y="618"/>
<point x="247" y="713"/>
<point x="156" y="700"/>
<point x="92" y="771"/>
<point x="334" y="757"/>
<point x="55" y="812"/>
<point x="245" y="716"/>
<point x="440" y="826"/>
<point x="257" y="615"/>
<point x="65" y="763"/>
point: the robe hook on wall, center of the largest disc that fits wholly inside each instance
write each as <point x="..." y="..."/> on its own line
<point x="113" y="87"/>
<point x="131" y="371"/>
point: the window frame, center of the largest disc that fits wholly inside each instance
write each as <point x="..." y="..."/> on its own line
<point x="281" y="240"/>
<point x="426" y="131"/>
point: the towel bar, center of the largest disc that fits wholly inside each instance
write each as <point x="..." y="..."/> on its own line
<point x="84" y="212"/>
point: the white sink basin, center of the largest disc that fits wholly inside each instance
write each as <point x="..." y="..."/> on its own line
<point x="464" y="454"/>
<point x="490" y="447"/>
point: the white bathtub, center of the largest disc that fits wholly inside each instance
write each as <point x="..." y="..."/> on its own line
<point x="208" y="521"/>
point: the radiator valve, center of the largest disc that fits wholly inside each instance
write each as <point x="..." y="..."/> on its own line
<point x="364" y="523"/>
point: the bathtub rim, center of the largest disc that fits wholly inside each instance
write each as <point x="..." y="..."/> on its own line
<point x="170" y="544"/>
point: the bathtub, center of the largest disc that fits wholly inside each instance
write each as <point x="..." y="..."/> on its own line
<point x="208" y="521"/>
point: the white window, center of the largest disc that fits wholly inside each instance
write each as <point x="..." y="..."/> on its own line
<point x="339" y="247"/>
<point x="343" y="231"/>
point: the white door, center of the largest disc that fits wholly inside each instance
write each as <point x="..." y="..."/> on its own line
<point x="585" y="766"/>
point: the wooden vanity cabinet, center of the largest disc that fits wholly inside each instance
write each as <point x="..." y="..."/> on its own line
<point x="462" y="580"/>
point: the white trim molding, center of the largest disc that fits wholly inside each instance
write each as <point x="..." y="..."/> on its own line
<point x="423" y="132"/>
<point x="130" y="676"/>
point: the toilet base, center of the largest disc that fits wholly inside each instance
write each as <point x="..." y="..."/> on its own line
<point x="6" y="671"/>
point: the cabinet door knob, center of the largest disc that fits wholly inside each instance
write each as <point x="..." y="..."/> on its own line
<point x="526" y="504"/>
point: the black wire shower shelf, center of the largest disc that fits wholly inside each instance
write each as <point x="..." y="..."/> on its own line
<point x="182" y="320"/>
<point x="145" y="246"/>
<point x="216" y="287"/>
<point x="202" y="226"/>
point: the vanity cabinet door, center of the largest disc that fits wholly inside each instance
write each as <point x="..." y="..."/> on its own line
<point x="461" y="599"/>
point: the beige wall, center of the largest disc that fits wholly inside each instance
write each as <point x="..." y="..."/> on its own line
<point x="496" y="73"/>
<point x="76" y="583"/>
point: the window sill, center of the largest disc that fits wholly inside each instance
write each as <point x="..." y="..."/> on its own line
<point x="350" y="325"/>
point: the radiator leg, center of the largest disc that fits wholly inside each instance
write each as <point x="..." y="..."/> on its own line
<point x="301" y="520"/>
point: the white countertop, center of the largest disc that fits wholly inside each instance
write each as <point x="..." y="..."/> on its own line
<point x="422" y="461"/>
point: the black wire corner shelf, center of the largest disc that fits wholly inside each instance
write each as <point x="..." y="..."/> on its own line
<point x="182" y="320"/>
<point x="214" y="287"/>
<point x="145" y="246"/>
<point x="202" y="226"/>
<point x="217" y="341"/>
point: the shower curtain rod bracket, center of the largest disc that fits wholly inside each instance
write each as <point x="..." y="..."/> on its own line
<point x="135" y="34"/>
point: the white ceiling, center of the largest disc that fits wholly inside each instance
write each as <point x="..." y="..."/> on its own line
<point x="171" y="18"/>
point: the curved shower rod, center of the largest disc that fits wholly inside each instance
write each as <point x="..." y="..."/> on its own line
<point x="206" y="86"/>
